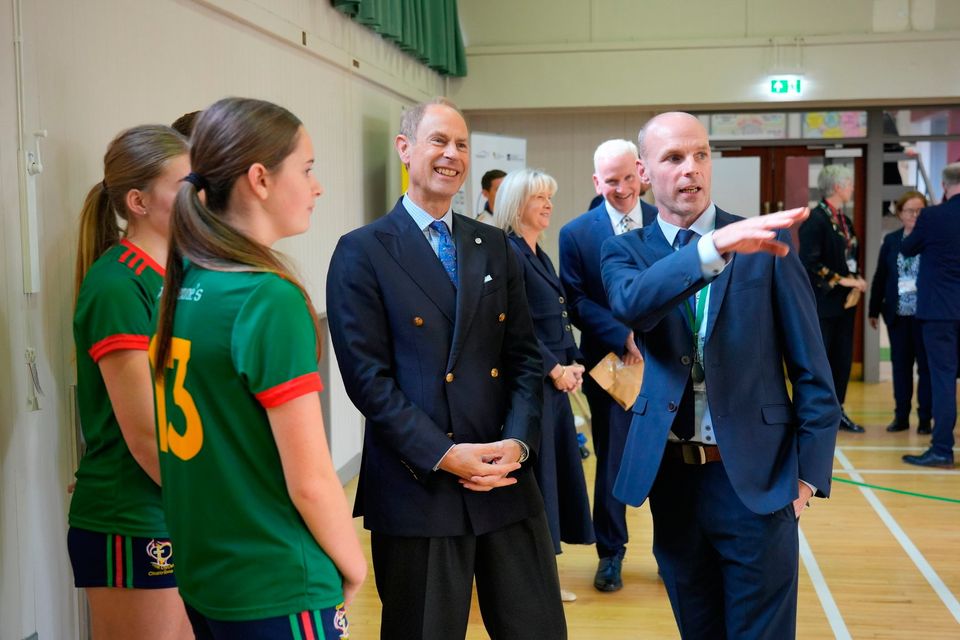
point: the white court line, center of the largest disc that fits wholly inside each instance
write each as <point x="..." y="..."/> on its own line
<point x="904" y="472"/>
<point x="953" y="606"/>
<point x="823" y="591"/>
<point x="880" y="448"/>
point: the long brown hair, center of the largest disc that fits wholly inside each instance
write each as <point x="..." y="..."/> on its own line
<point x="133" y="159"/>
<point x="228" y="137"/>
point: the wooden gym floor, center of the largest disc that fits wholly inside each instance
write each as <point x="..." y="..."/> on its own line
<point x="874" y="564"/>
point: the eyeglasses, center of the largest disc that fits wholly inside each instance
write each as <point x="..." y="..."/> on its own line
<point x="910" y="211"/>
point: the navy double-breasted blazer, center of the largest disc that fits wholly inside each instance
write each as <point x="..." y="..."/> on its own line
<point x="761" y="315"/>
<point x="429" y="365"/>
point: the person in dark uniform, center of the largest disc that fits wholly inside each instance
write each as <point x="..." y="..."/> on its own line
<point x="893" y="294"/>
<point x="524" y="209"/>
<point x="828" y="250"/>
<point x="935" y="240"/>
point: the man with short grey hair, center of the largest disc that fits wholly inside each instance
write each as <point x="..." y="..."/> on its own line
<point x="616" y="177"/>
<point x="937" y="238"/>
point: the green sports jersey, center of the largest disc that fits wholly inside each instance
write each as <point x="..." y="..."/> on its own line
<point x="243" y="342"/>
<point x="114" y="312"/>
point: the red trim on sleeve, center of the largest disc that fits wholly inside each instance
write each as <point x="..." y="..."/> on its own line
<point x="285" y="391"/>
<point x="119" y="342"/>
<point x="140" y="259"/>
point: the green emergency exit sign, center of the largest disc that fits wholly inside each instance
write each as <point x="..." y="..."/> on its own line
<point x="785" y="86"/>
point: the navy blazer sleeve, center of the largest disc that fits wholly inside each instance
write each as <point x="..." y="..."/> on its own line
<point x="914" y="243"/>
<point x="587" y="315"/>
<point x="550" y="360"/>
<point x="813" y="395"/>
<point x="879" y="284"/>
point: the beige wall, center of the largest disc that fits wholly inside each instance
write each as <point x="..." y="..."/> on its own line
<point x="91" y="69"/>
<point x="705" y="53"/>
<point x="562" y="144"/>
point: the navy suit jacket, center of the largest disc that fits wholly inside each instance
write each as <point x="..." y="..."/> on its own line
<point x="580" y="243"/>
<point x="761" y="314"/>
<point x="429" y="365"/>
<point x="551" y="320"/>
<point x="883" y="290"/>
<point x="937" y="239"/>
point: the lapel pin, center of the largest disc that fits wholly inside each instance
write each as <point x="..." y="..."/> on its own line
<point x="478" y="240"/>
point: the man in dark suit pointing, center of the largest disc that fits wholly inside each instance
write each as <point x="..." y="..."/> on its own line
<point x="435" y="343"/>
<point x="936" y="239"/>
<point x="727" y="456"/>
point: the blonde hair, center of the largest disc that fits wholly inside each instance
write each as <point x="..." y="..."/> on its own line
<point x="515" y="191"/>
<point x="133" y="159"/>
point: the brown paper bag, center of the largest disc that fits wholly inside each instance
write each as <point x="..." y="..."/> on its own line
<point x="621" y="381"/>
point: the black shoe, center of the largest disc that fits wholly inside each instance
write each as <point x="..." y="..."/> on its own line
<point x="930" y="459"/>
<point x="608" y="574"/>
<point x="846" y="424"/>
<point x="898" y="425"/>
<point x="925" y="428"/>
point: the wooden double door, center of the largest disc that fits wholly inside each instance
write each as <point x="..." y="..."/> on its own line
<point x="788" y="178"/>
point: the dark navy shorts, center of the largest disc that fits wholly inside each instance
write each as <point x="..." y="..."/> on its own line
<point x="319" y="624"/>
<point x="128" y="562"/>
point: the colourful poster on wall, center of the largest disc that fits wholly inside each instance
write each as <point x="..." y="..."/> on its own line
<point x="748" y="126"/>
<point x="835" y="124"/>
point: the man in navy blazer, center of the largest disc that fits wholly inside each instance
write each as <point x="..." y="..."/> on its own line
<point x="616" y="177"/>
<point x="728" y="458"/>
<point x="936" y="238"/>
<point x="434" y="340"/>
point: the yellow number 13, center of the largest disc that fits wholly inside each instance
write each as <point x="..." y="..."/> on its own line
<point x="187" y="444"/>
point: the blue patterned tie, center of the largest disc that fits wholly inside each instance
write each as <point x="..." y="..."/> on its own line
<point x="446" y="250"/>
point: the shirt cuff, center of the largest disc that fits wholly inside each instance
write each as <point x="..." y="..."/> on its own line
<point x="812" y="488"/>
<point x="524" y="450"/>
<point x="711" y="262"/>
<point x="437" y="466"/>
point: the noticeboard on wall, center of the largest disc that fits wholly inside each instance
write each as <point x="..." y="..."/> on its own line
<point x="488" y="151"/>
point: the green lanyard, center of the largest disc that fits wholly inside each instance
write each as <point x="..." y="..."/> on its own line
<point x="696" y="371"/>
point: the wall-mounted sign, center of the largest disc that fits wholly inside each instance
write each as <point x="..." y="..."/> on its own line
<point x="782" y="86"/>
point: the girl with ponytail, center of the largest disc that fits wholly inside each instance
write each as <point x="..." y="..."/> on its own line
<point x="118" y="541"/>
<point x="264" y="537"/>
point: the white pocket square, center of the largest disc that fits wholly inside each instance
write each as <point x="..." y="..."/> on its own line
<point x="487" y="278"/>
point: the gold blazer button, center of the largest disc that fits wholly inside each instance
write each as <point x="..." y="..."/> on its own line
<point x="502" y="317"/>
<point x="494" y="373"/>
<point x="418" y="321"/>
<point x="449" y="377"/>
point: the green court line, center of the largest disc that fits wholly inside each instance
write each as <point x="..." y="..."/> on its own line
<point x="900" y="491"/>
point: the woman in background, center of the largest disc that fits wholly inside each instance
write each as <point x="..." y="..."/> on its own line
<point x="829" y="251"/>
<point x="118" y="541"/>
<point x="893" y="294"/>
<point x="523" y="210"/>
<point x="265" y="538"/>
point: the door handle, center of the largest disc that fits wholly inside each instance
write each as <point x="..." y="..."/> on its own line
<point x="779" y="205"/>
<point x="766" y="207"/>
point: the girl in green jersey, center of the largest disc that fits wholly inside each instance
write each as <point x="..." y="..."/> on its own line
<point x="264" y="536"/>
<point x="118" y="542"/>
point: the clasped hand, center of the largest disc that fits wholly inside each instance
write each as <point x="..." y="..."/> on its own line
<point x="483" y="466"/>
<point x="571" y="379"/>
